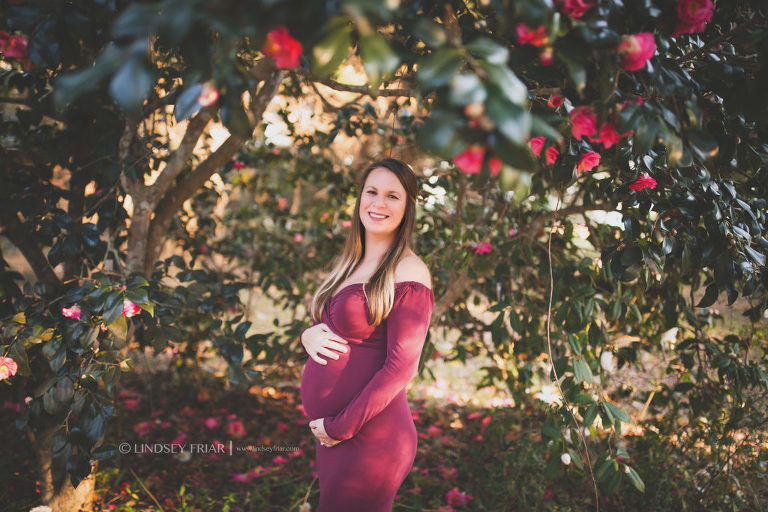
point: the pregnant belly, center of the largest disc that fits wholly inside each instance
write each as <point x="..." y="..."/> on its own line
<point x="326" y="389"/>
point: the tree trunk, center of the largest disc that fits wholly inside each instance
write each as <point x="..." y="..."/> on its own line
<point x="57" y="491"/>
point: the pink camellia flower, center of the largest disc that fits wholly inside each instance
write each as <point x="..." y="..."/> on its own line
<point x="525" y="35"/>
<point x="279" y="460"/>
<point x="457" y="498"/>
<point x="494" y="164"/>
<point x="236" y="429"/>
<point x="209" y="95"/>
<point x="546" y="55"/>
<point x="257" y="471"/>
<point x="8" y="367"/>
<point x="555" y="101"/>
<point x="282" y="47"/>
<point x="298" y="237"/>
<point x="551" y="154"/>
<point x="608" y="135"/>
<point x="471" y="160"/>
<point x="537" y="143"/>
<point x="693" y="16"/>
<point x="346" y="223"/>
<point x="588" y="161"/>
<point x="583" y="122"/>
<point x="635" y="50"/>
<point x="238" y="164"/>
<point x="211" y="423"/>
<point x="71" y="312"/>
<point x="130" y="308"/>
<point x="548" y="494"/>
<point x="179" y="440"/>
<point x="13" y="46"/>
<point x="482" y="248"/>
<point x="512" y="232"/>
<point x="132" y="404"/>
<point x="642" y="182"/>
<point x="577" y="8"/>
<point x="282" y="203"/>
<point x="240" y="477"/>
<point x="143" y="428"/>
<point x="325" y="216"/>
<point x="434" y="431"/>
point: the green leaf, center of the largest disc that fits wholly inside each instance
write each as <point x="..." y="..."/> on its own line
<point x="635" y="478"/>
<point x="378" y="58"/>
<point x="439" y="67"/>
<point x="513" y="121"/>
<point x="575" y="65"/>
<point x="332" y="49"/>
<point x="590" y="415"/>
<point x="132" y="83"/>
<point x="581" y="370"/>
<point x="186" y="103"/>
<point x="617" y="413"/>
<point x="465" y="89"/>
<point x="507" y="83"/>
<point x="710" y="296"/>
<point x="489" y="51"/>
<point x="430" y="32"/>
<point x="119" y="327"/>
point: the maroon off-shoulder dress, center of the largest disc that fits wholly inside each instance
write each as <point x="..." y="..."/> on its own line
<point x="362" y="397"/>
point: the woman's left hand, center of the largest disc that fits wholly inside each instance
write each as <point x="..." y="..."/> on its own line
<point x="318" y="429"/>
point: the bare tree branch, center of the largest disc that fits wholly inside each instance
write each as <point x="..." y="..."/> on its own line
<point x="174" y="198"/>
<point x="19" y="235"/>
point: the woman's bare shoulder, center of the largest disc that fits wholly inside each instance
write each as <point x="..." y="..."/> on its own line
<point x="412" y="268"/>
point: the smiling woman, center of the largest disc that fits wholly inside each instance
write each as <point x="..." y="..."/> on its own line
<point x="370" y="318"/>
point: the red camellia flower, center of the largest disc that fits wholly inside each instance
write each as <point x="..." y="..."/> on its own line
<point x="577" y="8"/>
<point x="608" y="135"/>
<point x="546" y="55"/>
<point x="538" y="37"/>
<point x="130" y="308"/>
<point x="238" y="164"/>
<point x="283" y="48"/>
<point x="635" y="50"/>
<point x="537" y="143"/>
<point x="693" y="16"/>
<point x="209" y="95"/>
<point x="643" y="182"/>
<point x="494" y="164"/>
<point x="583" y="122"/>
<point x="482" y="248"/>
<point x="13" y="46"/>
<point x="471" y="160"/>
<point x="8" y="367"/>
<point x="72" y="312"/>
<point x="551" y="154"/>
<point x="588" y="161"/>
<point x="555" y="101"/>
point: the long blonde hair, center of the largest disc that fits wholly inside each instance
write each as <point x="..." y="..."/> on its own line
<point x="382" y="283"/>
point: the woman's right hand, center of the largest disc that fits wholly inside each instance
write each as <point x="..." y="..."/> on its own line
<point x="319" y="340"/>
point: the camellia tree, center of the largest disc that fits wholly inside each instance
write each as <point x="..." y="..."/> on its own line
<point x="544" y="111"/>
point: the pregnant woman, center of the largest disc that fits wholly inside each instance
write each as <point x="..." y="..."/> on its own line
<point x="370" y="320"/>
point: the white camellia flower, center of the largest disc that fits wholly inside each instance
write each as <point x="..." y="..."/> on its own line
<point x="608" y="361"/>
<point x="669" y="338"/>
<point x="565" y="458"/>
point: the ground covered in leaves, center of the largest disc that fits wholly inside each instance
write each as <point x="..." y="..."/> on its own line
<point x="253" y="451"/>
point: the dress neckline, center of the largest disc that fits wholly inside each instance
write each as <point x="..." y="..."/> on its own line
<point x="362" y="287"/>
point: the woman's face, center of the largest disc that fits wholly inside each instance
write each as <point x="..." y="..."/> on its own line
<point x="382" y="205"/>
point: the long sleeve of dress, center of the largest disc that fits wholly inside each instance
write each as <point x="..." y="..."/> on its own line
<point x="407" y="326"/>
